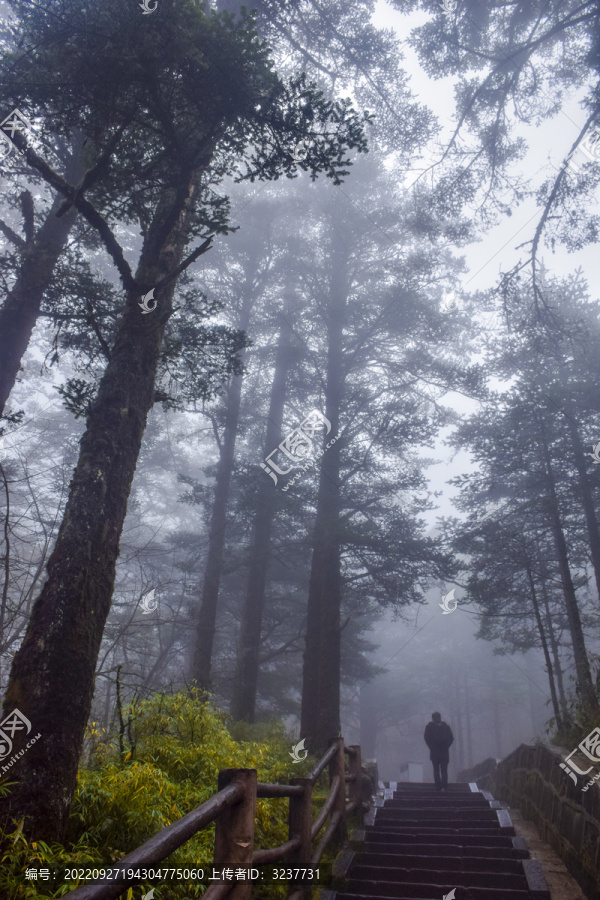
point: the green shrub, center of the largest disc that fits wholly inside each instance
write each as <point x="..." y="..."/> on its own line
<point x="175" y="748"/>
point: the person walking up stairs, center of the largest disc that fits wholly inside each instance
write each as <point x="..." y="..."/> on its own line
<point x="439" y="738"/>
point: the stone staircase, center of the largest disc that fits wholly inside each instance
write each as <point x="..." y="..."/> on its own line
<point x="418" y="844"/>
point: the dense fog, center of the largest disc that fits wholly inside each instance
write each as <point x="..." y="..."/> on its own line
<point x="300" y="427"/>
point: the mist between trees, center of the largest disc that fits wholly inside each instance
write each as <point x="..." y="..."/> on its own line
<point x="219" y="222"/>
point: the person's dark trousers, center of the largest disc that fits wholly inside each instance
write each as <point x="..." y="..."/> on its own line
<point x="440" y="775"/>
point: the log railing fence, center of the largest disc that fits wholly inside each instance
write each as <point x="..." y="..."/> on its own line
<point x="233" y="809"/>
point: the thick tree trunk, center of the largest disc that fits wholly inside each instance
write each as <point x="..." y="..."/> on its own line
<point x="243" y="702"/>
<point x="494" y="731"/>
<point x="20" y="310"/>
<point x="587" y="499"/>
<point x="545" y="648"/>
<point x="555" y="653"/>
<point x="320" y="717"/>
<point x="209" y="600"/>
<point x="468" y="709"/>
<point x="498" y="753"/>
<point x="457" y="724"/>
<point x="52" y="677"/>
<point x="537" y="720"/>
<point x="582" y="666"/>
<point x="328" y="722"/>
<point x="367" y="702"/>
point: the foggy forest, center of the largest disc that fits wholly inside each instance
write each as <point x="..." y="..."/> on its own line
<point x="299" y="429"/>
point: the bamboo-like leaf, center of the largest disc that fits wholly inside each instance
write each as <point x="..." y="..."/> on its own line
<point x="19" y="831"/>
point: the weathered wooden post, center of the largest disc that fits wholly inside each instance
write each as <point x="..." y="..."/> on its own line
<point x="300" y="823"/>
<point x="337" y="766"/>
<point x="355" y="769"/>
<point x="234" y="830"/>
<point x="299" y="827"/>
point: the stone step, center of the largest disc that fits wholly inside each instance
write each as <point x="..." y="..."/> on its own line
<point x="498" y="821"/>
<point x="389" y="834"/>
<point x="469" y="801"/>
<point x="444" y="850"/>
<point x="384" y="810"/>
<point x="404" y="861"/>
<point x="412" y="786"/>
<point x="428" y="892"/>
<point x="483" y="814"/>
<point x="448" y="828"/>
<point x="418" y="844"/>
<point x="435" y="874"/>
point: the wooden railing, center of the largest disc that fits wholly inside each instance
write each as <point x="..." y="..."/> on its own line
<point x="233" y="810"/>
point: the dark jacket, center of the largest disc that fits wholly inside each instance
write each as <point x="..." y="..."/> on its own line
<point x="438" y="737"/>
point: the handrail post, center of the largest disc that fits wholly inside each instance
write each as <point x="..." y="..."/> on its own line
<point x="337" y="766"/>
<point x="234" y="830"/>
<point x="299" y="826"/>
<point x="355" y="768"/>
<point x="300" y="823"/>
